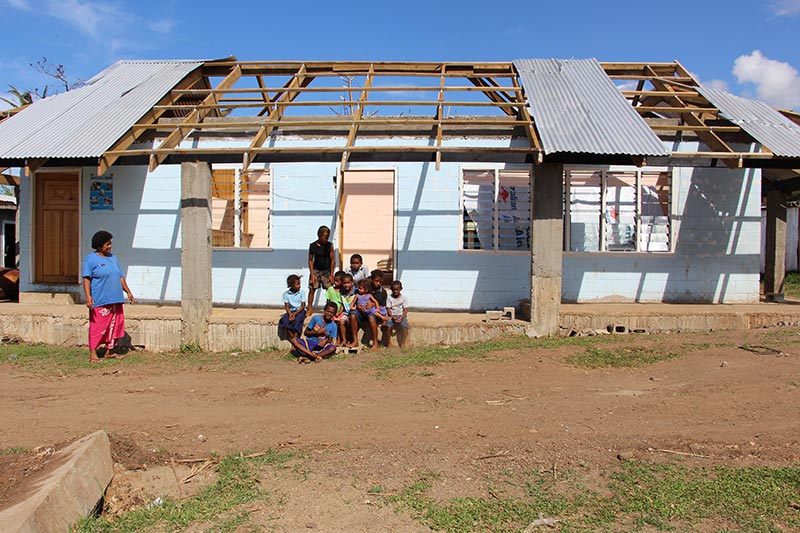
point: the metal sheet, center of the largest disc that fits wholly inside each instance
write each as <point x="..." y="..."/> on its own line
<point x="85" y="122"/>
<point x="765" y="124"/>
<point x="578" y="109"/>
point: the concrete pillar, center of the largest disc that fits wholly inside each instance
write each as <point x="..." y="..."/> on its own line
<point x="547" y="244"/>
<point x="775" y="267"/>
<point x="195" y="253"/>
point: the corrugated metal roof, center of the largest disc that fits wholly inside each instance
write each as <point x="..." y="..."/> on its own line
<point x="577" y="108"/>
<point x="765" y="124"/>
<point x="86" y="122"/>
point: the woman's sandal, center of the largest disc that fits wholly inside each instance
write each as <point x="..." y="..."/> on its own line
<point x="303" y="360"/>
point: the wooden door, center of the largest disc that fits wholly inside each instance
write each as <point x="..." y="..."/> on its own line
<point x="57" y="227"/>
<point x="368" y="218"/>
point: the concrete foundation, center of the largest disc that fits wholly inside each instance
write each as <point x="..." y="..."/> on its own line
<point x="70" y="492"/>
<point x="158" y="328"/>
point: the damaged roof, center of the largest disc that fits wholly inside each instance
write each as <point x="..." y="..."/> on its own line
<point x="578" y="109"/>
<point x="85" y="122"/>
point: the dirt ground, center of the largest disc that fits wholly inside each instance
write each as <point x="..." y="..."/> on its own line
<point x="469" y="421"/>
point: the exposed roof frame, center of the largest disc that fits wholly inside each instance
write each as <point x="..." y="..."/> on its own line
<point x="254" y="99"/>
<point x="667" y="91"/>
<point x="258" y="106"/>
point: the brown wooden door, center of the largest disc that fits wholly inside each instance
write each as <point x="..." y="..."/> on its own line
<point x="57" y="228"/>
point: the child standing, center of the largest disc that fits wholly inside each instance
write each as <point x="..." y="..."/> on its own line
<point x="294" y="301"/>
<point x="321" y="263"/>
<point x="398" y="311"/>
<point x="320" y="335"/>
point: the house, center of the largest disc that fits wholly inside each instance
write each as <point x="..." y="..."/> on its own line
<point x="477" y="184"/>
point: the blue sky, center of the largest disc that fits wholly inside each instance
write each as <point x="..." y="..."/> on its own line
<point x="750" y="48"/>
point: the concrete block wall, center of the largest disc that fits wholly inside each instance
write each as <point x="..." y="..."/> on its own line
<point x="716" y="233"/>
<point x="715" y="259"/>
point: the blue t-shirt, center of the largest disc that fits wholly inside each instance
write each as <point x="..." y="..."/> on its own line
<point x="104" y="274"/>
<point x="294" y="299"/>
<point x="330" y="327"/>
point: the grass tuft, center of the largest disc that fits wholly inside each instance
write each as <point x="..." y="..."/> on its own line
<point x="216" y="506"/>
<point x="622" y="356"/>
<point x="639" y="496"/>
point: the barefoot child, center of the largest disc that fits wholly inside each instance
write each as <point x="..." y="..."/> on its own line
<point x="294" y="301"/>
<point x="397" y="306"/>
<point x="321" y="263"/>
<point x="320" y="335"/>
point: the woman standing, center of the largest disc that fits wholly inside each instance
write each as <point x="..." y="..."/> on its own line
<point x="103" y="284"/>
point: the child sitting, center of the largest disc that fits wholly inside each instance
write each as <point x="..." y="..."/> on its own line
<point x="320" y="335"/>
<point x="333" y="294"/>
<point x="397" y="305"/>
<point x="366" y="302"/>
<point x="357" y="268"/>
<point x="347" y="321"/>
<point x="294" y="301"/>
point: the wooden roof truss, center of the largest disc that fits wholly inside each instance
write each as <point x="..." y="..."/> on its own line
<point x="357" y="99"/>
<point x="666" y="97"/>
<point x="360" y="101"/>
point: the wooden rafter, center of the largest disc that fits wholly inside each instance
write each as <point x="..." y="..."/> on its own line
<point x="264" y="96"/>
<point x="439" y="118"/>
<point x="299" y="80"/>
<point x="497" y="96"/>
<point x="151" y="117"/>
<point x="357" y="113"/>
<point x="197" y="115"/>
<point x="530" y="129"/>
<point x="687" y="113"/>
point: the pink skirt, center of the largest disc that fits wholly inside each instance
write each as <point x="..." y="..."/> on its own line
<point x="106" y="325"/>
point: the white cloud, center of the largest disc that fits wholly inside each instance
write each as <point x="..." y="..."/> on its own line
<point x="106" y="22"/>
<point x="720" y="85"/>
<point x="785" y="8"/>
<point x="777" y="83"/>
<point x="19" y="4"/>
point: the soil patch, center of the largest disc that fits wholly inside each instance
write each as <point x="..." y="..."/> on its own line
<point x="477" y="426"/>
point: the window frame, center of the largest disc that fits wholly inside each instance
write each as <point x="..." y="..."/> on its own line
<point x="495" y="249"/>
<point x="566" y="209"/>
<point x="237" y="209"/>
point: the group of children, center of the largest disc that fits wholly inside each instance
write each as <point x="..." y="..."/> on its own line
<point x="353" y="298"/>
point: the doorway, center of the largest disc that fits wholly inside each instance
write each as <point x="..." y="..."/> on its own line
<point x="56" y="245"/>
<point x="9" y="245"/>
<point x="367" y="218"/>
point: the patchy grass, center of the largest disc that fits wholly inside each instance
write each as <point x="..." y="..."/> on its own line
<point x="639" y="496"/>
<point x="14" y="450"/>
<point x="621" y="356"/>
<point x="427" y="356"/>
<point x="216" y="507"/>
<point x="48" y="359"/>
<point x="791" y="285"/>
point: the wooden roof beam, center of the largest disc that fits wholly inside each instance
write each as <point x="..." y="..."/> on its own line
<point x="298" y="81"/>
<point x="711" y="139"/>
<point x="197" y="115"/>
<point x="151" y="117"/>
<point x="357" y="114"/>
<point x="530" y="131"/>
<point x="495" y="96"/>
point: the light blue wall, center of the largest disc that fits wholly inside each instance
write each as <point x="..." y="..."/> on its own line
<point x="717" y="236"/>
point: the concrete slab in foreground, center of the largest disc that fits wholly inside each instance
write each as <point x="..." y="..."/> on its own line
<point x="69" y="492"/>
